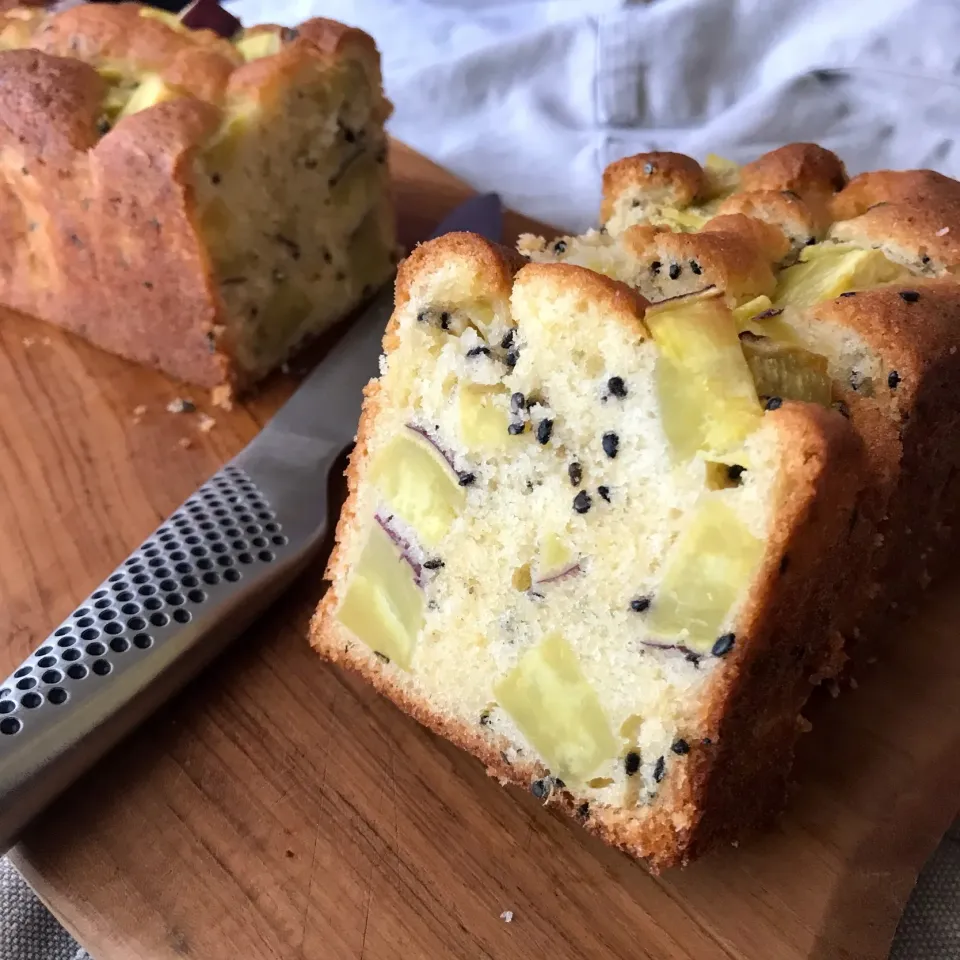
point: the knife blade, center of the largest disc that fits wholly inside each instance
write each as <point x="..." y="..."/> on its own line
<point x="191" y="587"/>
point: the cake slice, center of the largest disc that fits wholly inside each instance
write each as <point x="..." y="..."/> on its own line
<point x="199" y="203"/>
<point x="578" y="545"/>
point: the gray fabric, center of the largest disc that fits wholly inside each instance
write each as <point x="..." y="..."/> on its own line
<point x="27" y="930"/>
<point x="929" y="928"/>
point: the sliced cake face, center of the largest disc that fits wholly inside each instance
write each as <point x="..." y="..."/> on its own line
<point x="565" y="513"/>
<point x="237" y="183"/>
<point x="297" y="124"/>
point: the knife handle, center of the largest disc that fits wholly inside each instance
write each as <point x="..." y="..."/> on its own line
<point x="147" y="629"/>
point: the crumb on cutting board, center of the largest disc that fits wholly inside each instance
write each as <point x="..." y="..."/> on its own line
<point x="181" y="405"/>
<point x="185" y="442"/>
<point x="507" y="916"/>
<point x="207" y="423"/>
<point x="222" y="397"/>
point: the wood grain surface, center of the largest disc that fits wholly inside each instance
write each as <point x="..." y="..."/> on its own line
<point x="279" y="809"/>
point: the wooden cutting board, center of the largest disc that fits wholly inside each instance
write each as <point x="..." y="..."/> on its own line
<point x="279" y="809"/>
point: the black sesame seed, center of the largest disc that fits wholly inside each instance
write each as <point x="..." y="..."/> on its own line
<point x="516" y="402"/>
<point x="467" y="478"/>
<point x="640" y="604"/>
<point x="485" y="718"/>
<point x="681" y="747"/>
<point x="675" y="270"/>
<point x="583" y="811"/>
<point x="423" y="316"/>
<point x="849" y="293"/>
<point x="735" y="472"/>
<point x="706" y="741"/>
<point x="477" y="351"/>
<point x="655" y="266"/>
<point x="617" y="387"/>
<point x="582" y="502"/>
<point x="767" y="314"/>
<point x="512" y="357"/>
<point x="631" y="763"/>
<point x="544" y="430"/>
<point x="611" y="443"/>
<point x="575" y="473"/>
<point x="909" y="296"/>
<point x="507" y="340"/>
<point x="540" y="788"/>
<point x="444" y="320"/>
<point x="435" y="564"/>
<point x="604" y="492"/>
<point x="692" y="657"/>
<point x="724" y="644"/>
<point x="382" y="657"/>
<point x="660" y="769"/>
<point x="774" y="403"/>
<point x="893" y="379"/>
<point x="516" y="428"/>
<point x="924" y="259"/>
<point x="635" y="204"/>
<point x="648" y="168"/>
<point x="560" y="247"/>
<point x="215" y="179"/>
<point x="695" y="267"/>
<point x="810" y="241"/>
<point x="842" y="409"/>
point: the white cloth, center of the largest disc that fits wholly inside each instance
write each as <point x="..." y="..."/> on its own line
<point x="534" y="97"/>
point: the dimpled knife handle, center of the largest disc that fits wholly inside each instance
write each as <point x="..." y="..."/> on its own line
<point x="145" y="631"/>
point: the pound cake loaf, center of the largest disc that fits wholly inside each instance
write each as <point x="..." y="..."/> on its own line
<point x="844" y="294"/>
<point x="196" y="202"/>
<point x="580" y="546"/>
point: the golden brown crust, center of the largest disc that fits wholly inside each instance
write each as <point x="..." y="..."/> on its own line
<point x="492" y="265"/>
<point x="811" y="572"/>
<point x="917" y="340"/>
<point x="671" y="179"/>
<point x="798" y="220"/>
<point x="618" y="300"/>
<point x="808" y="170"/>
<point x="117" y="34"/>
<point x="767" y="240"/>
<point x="726" y="256"/>
<point x="69" y="217"/>
<point x="914" y="214"/>
<point x="100" y="234"/>
<point x="332" y="37"/>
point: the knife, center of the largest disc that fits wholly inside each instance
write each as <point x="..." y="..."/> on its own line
<point x="197" y="581"/>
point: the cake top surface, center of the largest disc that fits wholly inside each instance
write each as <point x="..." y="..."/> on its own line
<point x="146" y="55"/>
